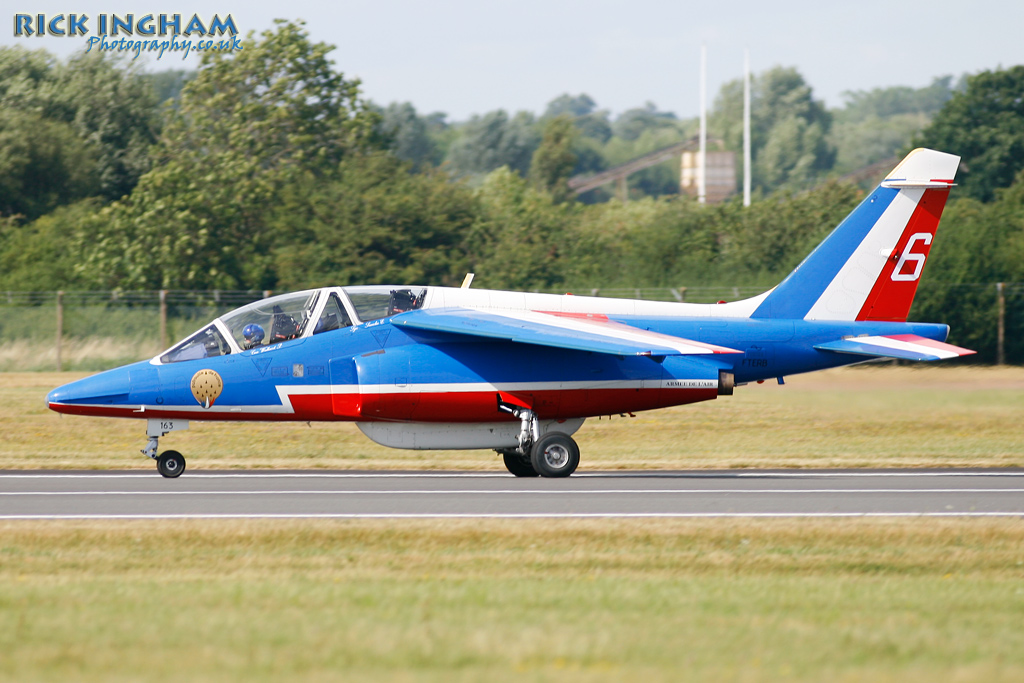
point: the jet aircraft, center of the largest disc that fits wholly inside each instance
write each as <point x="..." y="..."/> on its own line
<point x="423" y="367"/>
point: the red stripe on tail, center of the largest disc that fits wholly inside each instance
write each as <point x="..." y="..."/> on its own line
<point x="893" y="293"/>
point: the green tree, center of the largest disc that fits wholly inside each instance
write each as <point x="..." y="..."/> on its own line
<point x="789" y="128"/>
<point x="111" y="108"/>
<point x="46" y="104"/>
<point x="410" y="136"/>
<point x="673" y="241"/>
<point x="879" y="124"/>
<point x="977" y="245"/>
<point x="861" y="143"/>
<point x="247" y="126"/>
<point x="374" y="222"/>
<point x="633" y="123"/>
<point x="883" y="103"/>
<point x="168" y="84"/>
<point x="493" y="140"/>
<point x="518" y="238"/>
<point x="554" y="160"/>
<point x="43" y="164"/>
<point x="590" y="122"/>
<point x="26" y="79"/>
<point x="649" y="242"/>
<point x="985" y="126"/>
<point x="41" y="256"/>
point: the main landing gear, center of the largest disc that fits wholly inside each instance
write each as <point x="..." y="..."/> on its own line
<point x="169" y="463"/>
<point x="551" y="455"/>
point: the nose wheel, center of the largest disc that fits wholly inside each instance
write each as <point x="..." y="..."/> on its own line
<point x="170" y="464"/>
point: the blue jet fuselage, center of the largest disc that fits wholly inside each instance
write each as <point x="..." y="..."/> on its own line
<point x="380" y="371"/>
<point x="436" y="367"/>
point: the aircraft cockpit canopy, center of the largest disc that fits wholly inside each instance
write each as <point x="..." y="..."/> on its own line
<point x="376" y="302"/>
<point x="290" y="316"/>
<point x="280" y="318"/>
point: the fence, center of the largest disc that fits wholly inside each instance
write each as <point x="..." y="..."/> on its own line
<point x="97" y="330"/>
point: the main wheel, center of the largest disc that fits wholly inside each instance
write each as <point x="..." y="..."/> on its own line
<point x="555" y="455"/>
<point x="170" y="464"/>
<point x="518" y="464"/>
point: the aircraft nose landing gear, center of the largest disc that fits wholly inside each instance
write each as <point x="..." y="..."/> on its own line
<point x="169" y="463"/>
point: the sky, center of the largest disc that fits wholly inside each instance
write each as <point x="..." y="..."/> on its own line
<point x="466" y="57"/>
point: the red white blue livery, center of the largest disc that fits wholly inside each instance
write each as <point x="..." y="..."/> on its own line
<point x="424" y="367"/>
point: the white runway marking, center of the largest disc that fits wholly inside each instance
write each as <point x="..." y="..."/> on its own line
<point x="245" y="475"/>
<point x="405" y="495"/>
<point x="795" y="475"/>
<point x="437" y="492"/>
<point x="504" y="475"/>
<point x="517" y="515"/>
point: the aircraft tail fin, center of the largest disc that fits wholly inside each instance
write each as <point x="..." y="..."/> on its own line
<point x="869" y="267"/>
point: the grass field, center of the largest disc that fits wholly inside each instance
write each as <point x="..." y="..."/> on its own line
<point x="653" y="600"/>
<point x="854" y="417"/>
<point x="535" y="600"/>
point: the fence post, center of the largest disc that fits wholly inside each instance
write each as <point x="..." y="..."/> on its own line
<point x="60" y="327"/>
<point x="1001" y="325"/>
<point x="163" y="318"/>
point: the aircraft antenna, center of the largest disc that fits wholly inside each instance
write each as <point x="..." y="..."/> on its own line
<point x="468" y="280"/>
<point x="746" y="127"/>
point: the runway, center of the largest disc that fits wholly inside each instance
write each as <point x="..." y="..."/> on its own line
<point x="336" y="494"/>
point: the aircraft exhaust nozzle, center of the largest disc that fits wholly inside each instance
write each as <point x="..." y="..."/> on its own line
<point x="726" y="383"/>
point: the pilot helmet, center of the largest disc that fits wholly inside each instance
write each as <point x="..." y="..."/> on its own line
<point x="253" y="333"/>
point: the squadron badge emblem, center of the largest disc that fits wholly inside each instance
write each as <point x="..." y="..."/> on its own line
<point x="206" y="387"/>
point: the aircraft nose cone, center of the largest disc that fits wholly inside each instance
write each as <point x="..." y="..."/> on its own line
<point x="107" y="388"/>
<point x="58" y="395"/>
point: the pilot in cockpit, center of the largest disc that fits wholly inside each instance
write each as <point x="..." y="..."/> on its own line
<point x="253" y="334"/>
<point x="284" y="326"/>
<point x="403" y="300"/>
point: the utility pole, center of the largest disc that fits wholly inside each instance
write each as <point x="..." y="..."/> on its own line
<point x="163" y="319"/>
<point x="746" y="127"/>
<point x="1001" y="325"/>
<point x="702" y="162"/>
<point x="60" y="329"/>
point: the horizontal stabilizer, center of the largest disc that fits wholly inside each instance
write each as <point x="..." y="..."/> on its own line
<point x="902" y="346"/>
<point x="580" y="332"/>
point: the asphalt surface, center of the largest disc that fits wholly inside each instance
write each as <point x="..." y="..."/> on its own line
<point x="746" y="493"/>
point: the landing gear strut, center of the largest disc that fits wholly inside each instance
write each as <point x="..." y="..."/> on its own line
<point x="552" y="455"/>
<point x="170" y="463"/>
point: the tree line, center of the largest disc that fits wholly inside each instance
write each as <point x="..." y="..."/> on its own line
<point x="268" y="169"/>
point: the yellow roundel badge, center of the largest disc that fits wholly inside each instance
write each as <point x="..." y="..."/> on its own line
<point x="206" y="387"/>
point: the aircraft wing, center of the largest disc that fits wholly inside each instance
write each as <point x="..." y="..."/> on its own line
<point x="903" y="346"/>
<point x="578" y="331"/>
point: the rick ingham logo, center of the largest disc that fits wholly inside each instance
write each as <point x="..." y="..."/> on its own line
<point x="150" y="33"/>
